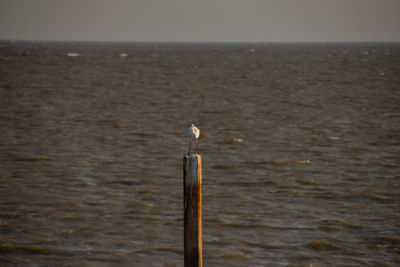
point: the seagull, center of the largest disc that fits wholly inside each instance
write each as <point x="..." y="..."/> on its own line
<point x="194" y="132"/>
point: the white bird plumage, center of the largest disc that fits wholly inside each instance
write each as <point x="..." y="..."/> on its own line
<point x="194" y="133"/>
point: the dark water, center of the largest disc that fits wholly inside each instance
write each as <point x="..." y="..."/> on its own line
<point x="300" y="146"/>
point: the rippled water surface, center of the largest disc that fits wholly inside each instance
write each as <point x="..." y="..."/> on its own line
<point x="300" y="146"/>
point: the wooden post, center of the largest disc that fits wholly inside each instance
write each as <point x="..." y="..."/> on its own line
<point x="192" y="175"/>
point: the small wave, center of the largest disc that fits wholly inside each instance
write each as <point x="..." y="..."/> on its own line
<point x="391" y="239"/>
<point x="385" y="164"/>
<point x="240" y="225"/>
<point x="348" y="224"/>
<point x="373" y="246"/>
<point x="144" y="134"/>
<point x="306" y="182"/>
<point x="306" y="161"/>
<point x="226" y="166"/>
<point x="142" y="204"/>
<point x="380" y="198"/>
<point x="122" y="125"/>
<point x="262" y="164"/>
<point x="167" y="249"/>
<point x="332" y="138"/>
<point x="248" y="182"/>
<point x="330" y="228"/>
<point x="146" y="217"/>
<point x="146" y="191"/>
<point x="336" y="225"/>
<point x="32" y="249"/>
<point x="238" y="256"/>
<point x="327" y="195"/>
<point x="322" y="245"/>
<point x="233" y="212"/>
<point x="128" y="182"/>
<point x="35" y="158"/>
<point x="257" y="244"/>
<point x="233" y="224"/>
<point x="9" y="215"/>
<point x="11" y="247"/>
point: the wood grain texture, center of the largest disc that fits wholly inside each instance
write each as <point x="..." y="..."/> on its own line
<point x="192" y="190"/>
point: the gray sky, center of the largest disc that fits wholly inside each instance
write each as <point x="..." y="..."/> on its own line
<point x="201" y="20"/>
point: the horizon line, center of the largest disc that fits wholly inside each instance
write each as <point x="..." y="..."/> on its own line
<point x="199" y="42"/>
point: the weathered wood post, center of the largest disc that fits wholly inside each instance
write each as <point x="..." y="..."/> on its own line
<point x="192" y="175"/>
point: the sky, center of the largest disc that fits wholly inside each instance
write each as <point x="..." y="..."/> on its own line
<point x="201" y="20"/>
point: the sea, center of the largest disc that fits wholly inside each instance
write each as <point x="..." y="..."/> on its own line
<point x="300" y="144"/>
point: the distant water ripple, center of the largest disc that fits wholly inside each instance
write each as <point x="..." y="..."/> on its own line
<point x="300" y="144"/>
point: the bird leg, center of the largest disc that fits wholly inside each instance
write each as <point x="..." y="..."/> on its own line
<point x="190" y="144"/>
<point x="197" y="145"/>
